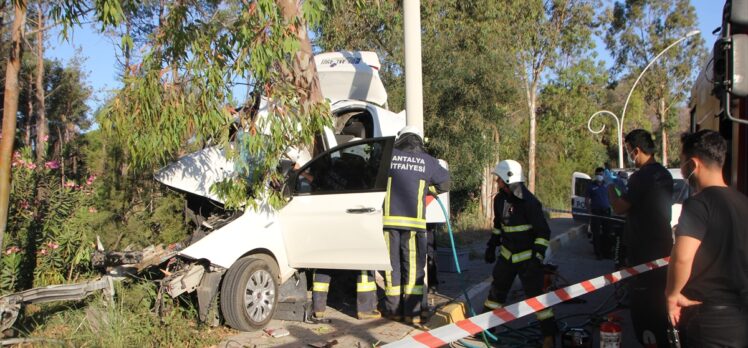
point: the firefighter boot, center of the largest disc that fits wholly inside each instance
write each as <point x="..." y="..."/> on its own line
<point x="549" y="329"/>
<point x="415" y="321"/>
<point x="393" y="317"/>
<point x="319" y="318"/>
<point x="548" y="342"/>
<point x="375" y="314"/>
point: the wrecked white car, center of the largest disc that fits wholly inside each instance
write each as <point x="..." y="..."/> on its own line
<point x="333" y="219"/>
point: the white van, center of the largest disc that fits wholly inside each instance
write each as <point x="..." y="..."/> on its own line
<point x="580" y="183"/>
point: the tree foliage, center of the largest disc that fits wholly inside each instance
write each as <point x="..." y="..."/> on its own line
<point x="638" y="32"/>
<point x="181" y="90"/>
<point x="539" y="34"/>
<point x="565" y="144"/>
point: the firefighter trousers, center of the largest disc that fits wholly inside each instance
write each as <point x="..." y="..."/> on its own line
<point x="366" y="291"/>
<point x="404" y="284"/>
<point x="530" y="273"/>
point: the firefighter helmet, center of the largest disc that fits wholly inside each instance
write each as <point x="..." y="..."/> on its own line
<point x="410" y="130"/>
<point x="510" y="171"/>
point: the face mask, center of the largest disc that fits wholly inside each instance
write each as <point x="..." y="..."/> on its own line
<point x="599" y="178"/>
<point x="691" y="178"/>
<point x="631" y="159"/>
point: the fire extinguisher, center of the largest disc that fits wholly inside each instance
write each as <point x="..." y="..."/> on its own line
<point x="611" y="333"/>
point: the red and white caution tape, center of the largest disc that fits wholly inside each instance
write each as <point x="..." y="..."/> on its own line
<point x="471" y="326"/>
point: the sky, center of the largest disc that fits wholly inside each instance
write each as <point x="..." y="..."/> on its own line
<point x="101" y="65"/>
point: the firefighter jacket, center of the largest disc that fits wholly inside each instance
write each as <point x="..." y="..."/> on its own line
<point x="412" y="175"/>
<point x="519" y="225"/>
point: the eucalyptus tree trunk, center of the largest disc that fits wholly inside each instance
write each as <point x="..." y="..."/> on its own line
<point x="42" y="129"/>
<point x="304" y="74"/>
<point x="532" y="105"/>
<point x="10" y="109"/>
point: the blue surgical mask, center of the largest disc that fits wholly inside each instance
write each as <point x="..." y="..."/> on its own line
<point x="599" y="178"/>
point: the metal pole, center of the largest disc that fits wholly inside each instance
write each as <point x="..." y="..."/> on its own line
<point x="623" y="114"/>
<point x="413" y="81"/>
<point x="619" y="132"/>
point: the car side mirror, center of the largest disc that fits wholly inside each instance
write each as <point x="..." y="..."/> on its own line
<point x="288" y="187"/>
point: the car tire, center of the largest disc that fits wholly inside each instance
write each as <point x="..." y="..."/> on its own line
<point x="249" y="294"/>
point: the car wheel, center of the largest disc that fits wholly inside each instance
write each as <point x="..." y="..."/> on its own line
<point x="249" y="294"/>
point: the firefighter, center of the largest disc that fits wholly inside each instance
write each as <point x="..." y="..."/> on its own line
<point x="413" y="174"/>
<point x="366" y="295"/>
<point x="521" y="234"/>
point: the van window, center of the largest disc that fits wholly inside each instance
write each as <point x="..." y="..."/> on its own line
<point x="580" y="187"/>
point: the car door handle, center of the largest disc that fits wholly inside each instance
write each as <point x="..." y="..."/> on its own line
<point x="360" y="210"/>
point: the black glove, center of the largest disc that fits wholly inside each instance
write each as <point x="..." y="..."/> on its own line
<point x="490" y="256"/>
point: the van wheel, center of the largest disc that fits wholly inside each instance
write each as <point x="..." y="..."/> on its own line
<point x="249" y="294"/>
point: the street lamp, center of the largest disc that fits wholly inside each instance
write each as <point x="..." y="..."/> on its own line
<point x="623" y="114"/>
<point x="619" y="132"/>
<point x="619" y="123"/>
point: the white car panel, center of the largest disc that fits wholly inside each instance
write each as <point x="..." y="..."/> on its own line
<point x="197" y="172"/>
<point x="320" y="233"/>
<point x="254" y="230"/>
<point x="350" y="75"/>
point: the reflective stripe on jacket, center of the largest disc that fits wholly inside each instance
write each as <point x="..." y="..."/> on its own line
<point x="520" y="226"/>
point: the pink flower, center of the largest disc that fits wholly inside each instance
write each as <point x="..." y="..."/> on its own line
<point x="53" y="245"/>
<point x="52" y="165"/>
<point x="69" y="184"/>
<point x="92" y="210"/>
<point x="24" y="205"/>
<point x="45" y="138"/>
<point x="43" y="252"/>
<point x="12" y="250"/>
<point x="31" y="165"/>
<point x="17" y="159"/>
<point x="91" y="179"/>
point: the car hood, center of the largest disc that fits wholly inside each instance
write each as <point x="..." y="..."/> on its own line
<point x="197" y="172"/>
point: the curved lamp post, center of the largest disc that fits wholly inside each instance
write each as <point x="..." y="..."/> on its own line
<point x="690" y="33"/>
<point x="619" y="131"/>
<point x="619" y="122"/>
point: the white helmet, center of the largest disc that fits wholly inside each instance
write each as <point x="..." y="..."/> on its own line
<point x="510" y="171"/>
<point x="410" y="130"/>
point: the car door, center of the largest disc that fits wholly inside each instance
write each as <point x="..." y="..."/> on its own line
<point x="334" y="217"/>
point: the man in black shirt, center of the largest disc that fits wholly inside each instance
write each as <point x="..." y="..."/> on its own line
<point x="709" y="265"/>
<point x="647" y="235"/>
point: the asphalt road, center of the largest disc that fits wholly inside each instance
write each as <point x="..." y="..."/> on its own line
<point x="576" y="262"/>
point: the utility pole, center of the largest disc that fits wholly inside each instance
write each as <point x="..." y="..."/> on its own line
<point x="413" y="78"/>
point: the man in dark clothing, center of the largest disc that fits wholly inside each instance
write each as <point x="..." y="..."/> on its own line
<point x="708" y="272"/>
<point x="599" y="207"/>
<point x="413" y="175"/>
<point x="647" y="235"/>
<point x="521" y="233"/>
